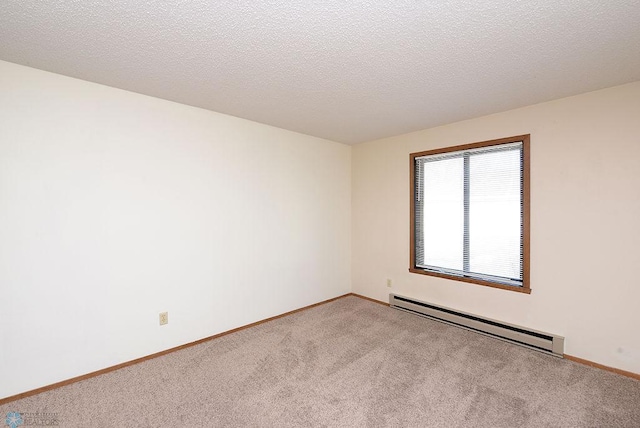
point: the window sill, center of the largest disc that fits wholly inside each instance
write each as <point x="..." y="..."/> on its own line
<point x="525" y="290"/>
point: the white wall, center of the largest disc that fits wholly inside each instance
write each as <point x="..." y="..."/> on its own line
<point x="585" y="202"/>
<point x="116" y="206"/>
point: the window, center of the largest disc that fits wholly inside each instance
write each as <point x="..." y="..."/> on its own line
<point x="470" y="213"/>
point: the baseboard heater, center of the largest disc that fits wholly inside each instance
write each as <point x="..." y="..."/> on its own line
<point x="545" y="342"/>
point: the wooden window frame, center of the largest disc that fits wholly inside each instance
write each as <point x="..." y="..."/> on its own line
<point x="526" y="205"/>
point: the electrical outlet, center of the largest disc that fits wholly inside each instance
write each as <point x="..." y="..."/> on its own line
<point x="164" y="318"/>
<point x="389" y="283"/>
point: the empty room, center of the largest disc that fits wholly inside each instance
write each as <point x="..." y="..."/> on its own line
<point x="319" y="213"/>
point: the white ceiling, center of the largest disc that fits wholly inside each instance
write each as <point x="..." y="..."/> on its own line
<point x="348" y="71"/>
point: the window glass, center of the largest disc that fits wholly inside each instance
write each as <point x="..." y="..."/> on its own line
<point x="470" y="212"/>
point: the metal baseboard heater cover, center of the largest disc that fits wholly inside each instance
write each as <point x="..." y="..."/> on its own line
<point x="537" y="340"/>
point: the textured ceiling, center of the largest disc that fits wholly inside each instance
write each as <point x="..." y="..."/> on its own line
<point x="348" y="71"/>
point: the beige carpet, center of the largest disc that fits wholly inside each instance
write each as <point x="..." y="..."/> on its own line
<point x="348" y="363"/>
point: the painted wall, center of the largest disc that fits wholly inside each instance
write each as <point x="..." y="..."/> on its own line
<point x="116" y="206"/>
<point x="585" y="202"/>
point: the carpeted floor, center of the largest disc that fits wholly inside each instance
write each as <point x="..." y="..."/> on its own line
<point x="348" y="363"/>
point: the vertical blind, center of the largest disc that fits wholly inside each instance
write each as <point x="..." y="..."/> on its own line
<point x="469" y="213"/>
